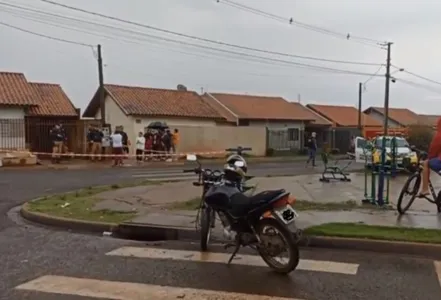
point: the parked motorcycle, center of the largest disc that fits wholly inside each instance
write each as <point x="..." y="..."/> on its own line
<point x="260" y="221"/>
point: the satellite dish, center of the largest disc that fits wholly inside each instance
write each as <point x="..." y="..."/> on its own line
<point x="182" y="88"/>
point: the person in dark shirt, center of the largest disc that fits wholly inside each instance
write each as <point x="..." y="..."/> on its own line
<point x="95" y="138"/>
<point x="433" y="161"/>
<point x="167" y="141"/>
<point x="125" y="140"/>
<point x="311" y="144"/>
<point x="58" y="137"/>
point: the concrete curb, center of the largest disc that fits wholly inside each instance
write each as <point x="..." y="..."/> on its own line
<point x="153" y="232"/>
<point x="65" y="223"/>
<point x="430" y="251"/>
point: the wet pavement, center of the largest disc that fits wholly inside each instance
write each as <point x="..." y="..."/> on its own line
<point x="49" y="256"/>
<point x="153" y="203"/>
<point x="20" y="185"/>
<point x="91" y="267"/>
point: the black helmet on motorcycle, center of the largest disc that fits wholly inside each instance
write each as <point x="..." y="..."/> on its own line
<point x="236" y="157"/>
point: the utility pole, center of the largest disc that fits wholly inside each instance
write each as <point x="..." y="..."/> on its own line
<point x="101" y="87"/>
<point x="360" y="93"/>
<point x="382" y="174"/>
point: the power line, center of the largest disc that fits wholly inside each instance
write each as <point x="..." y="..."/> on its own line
<point x="244" y="55"/>
<point x="46" y="36"/>
<point x="422" y="77"/>
<point x="372" y="77"/>
<point x="205" y="39"/>
<point x="291" y="21"/>
<point x="418" y="85"/>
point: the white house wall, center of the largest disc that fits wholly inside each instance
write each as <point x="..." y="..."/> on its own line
<point x="116" y="117"/>
<point x="12" y="128"/>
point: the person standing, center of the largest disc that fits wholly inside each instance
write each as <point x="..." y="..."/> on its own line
<point x="95" y="138"/>
<point x="117" y="147"/>
<point x="311" y="144"/>
<point x="167" y="141"/>
<point x="175" y="143"/>
<point x="140" y="145"/>
<point x="58" y="139"/>
<point x="125" y="140"/>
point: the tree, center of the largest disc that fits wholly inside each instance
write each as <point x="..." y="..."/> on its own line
<point x="420" y="136"/>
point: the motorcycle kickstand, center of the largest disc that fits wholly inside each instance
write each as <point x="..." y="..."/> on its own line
<point x="234" y="253"/>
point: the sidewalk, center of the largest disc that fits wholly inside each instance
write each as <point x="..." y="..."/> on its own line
<point x="152" y="203"/>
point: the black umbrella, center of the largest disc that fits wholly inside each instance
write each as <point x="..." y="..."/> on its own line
<point x="157" y="125"/>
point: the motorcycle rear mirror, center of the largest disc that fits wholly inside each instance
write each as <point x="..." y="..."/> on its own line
<point x="239" y="164"/>
<point x="191" y="157"/>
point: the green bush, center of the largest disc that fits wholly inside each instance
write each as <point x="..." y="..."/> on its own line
<point x="420" y="136"/>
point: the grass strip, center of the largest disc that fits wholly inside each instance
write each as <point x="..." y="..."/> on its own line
<point x="375" y="232"/>
<point x="78" y="204"/>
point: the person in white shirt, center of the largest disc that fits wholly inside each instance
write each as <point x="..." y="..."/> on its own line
<point x="140" y="146"/>
<point x="117" y="147"/>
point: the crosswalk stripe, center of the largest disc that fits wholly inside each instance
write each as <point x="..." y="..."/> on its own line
<point x="438" y="270"/>
<point x="213" y="257"/>
<point x="117" y="290"/>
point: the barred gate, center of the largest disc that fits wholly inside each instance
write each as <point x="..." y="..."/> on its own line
<point x="34" y="134"/>
<point x="284" y="139"/>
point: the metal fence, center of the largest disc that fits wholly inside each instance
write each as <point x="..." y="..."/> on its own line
<point x="284" y="139"/>
<point x="33" y="134"/>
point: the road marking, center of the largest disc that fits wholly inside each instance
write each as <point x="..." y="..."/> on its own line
<point x="117" y="290"/>
<point x="438" y="270"/>
<point x="213" y="257"/>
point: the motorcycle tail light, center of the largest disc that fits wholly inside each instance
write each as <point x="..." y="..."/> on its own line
<point x="284" y="201"/>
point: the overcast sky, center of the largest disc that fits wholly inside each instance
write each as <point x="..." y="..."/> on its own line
<point x="413" y="26"/>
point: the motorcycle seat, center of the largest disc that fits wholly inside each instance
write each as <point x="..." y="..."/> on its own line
<point x="265" y="197"/>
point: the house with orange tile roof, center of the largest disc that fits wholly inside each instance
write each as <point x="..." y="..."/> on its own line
<point x="23" y="104"/>
<point x="285" y="121"/>
<point x="136" y="107"/>
<point x="398" y="117"/>
<point x="345" y="123"/>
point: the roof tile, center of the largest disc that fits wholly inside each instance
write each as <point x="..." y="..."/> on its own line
<point x="315" y="117"/>
<point x="343" y="115"/>
<point x="15" y="90"/>
<point x="54" y="101"/>
<point x="260" y="107"/>
<point x="160" y="102"/>
<point x="428" y="120"/>
<point x="403" y="116"/>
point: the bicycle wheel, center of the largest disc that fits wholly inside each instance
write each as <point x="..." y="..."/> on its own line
<point x="408" y="189"/>
<point x="206" y="223"/>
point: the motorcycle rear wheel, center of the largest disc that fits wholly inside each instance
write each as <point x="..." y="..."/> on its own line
<point x="289" y="242"/>
<point x="206" y="225"/>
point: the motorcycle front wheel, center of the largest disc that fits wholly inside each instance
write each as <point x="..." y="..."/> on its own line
<point x="206" y="225"/>
<point x="276" y="237"/>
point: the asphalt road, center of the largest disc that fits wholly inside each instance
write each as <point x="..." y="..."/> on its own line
<point x="39" y="262"/>
<point x="52" y="262"/>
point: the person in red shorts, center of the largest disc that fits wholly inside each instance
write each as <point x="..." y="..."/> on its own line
<point x="433" y="161"/>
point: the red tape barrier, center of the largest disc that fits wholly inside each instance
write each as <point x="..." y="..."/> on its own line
<point x="126" y="155"/>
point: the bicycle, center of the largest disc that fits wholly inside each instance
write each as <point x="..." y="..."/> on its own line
<point x="436" y="197"/>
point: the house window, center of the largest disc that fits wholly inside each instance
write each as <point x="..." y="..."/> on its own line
<point x="293" y="134"/>
<point x="138" y="121"/>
